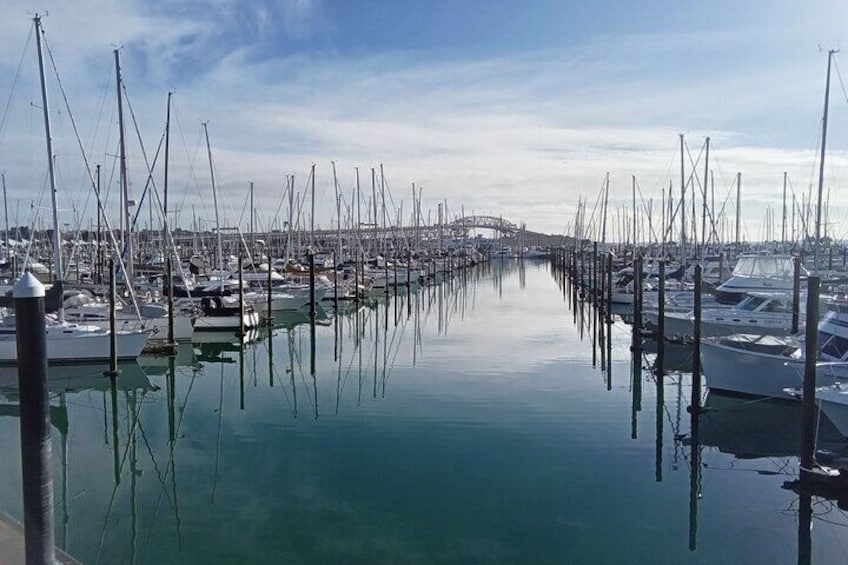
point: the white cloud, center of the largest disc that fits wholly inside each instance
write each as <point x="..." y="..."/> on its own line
<point x="520" y="134"/>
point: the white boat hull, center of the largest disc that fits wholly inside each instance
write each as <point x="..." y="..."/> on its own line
<point x="740" y="371"/>
<point x="79" y="349"/>
<point x="834" y="403"/>
<point x="226" y="323"/>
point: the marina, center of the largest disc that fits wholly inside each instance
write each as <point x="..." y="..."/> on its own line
<point x="406" y="433"/>
<point x="267" y="296"/>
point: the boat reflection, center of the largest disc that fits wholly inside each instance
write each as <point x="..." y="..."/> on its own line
<point x="765" y="428"/>
<point x="74" y="378"/>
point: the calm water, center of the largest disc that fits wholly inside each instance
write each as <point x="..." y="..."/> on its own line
<point x="465" y="423"/>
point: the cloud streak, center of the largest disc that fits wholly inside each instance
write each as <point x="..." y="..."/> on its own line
<point x="522" y="134"/>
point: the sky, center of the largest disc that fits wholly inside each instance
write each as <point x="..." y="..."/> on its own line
<point x="496" y="107"/>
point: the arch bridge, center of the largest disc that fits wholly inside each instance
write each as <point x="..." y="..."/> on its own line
<point x="485" y="222"/>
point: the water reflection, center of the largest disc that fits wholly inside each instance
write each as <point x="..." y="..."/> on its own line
<point x="468" y="415"/>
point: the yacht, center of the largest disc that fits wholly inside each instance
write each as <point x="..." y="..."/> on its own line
<point x="758" y="273"/>
<point x="761" y="313"/>
<point x="761" y="365"/>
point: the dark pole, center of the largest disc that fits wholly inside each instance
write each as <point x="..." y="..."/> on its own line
<point x="169" y="278"/>
<point x="312" y="286"/>
<point x="270" y="319"/>
<point x="808" y="408"/>
<point x="31" y="340"/>
<point x="695" y="404"/>
<point x="796" y="294"/>
<point x="609" y="289"/>
<point x="659" y="365"/>
<point x="113" y="337"/>
<point x="241" y="297"/>
<point x="637" y="306"/>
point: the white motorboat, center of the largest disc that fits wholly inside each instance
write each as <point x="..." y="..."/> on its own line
<point x="767" y="365"/>
<point x="833" y="401"/>
<point x="224" y="313"/>
<point x="758" y="273"/>
<point x="760" y="313"/>
<point x="280" y="301"/>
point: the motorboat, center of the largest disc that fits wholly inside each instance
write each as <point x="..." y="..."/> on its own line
<point x="762" y="365"/>
<point x="760" y="272"/>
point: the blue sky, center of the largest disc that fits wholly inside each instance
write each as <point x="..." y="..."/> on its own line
<point x="512" y="108"/>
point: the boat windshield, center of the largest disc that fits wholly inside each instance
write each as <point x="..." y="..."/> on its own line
<point x="833" y="345"/>
<point x="751" y="303"/>
<point x="764" y="266"/>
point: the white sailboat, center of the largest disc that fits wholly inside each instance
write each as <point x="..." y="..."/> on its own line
<point x="66" y="342"/>
<point x="222" y="312"/>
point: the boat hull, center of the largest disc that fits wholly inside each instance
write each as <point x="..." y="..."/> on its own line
<point x="834" y="403"/>
<point x="226" y="323"/>
<point x="80" y="349"/>
<point x="738" y="371"/>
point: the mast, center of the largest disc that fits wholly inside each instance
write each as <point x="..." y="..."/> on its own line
<point x="682" y="204"/>
<point x="704" y="194"/>
<point x="606" y="201"/>
<point x="312" y="213"/>
<point x="738" y="210"/>
<point x="338" y="223"/>
<point x="633" y="183"/>
<point x="215" y="202"/>
<point x="358" y="219"/>
<point x="821" y="162"/>
<point x="252" y="235"/>
<point x="289" y="242"/>
<point x="57" y="247"/>
<point x="383" y="198"/>
<point x="374" y="196"/>
<point x="123" y="161"/>
<point x="783" y="225"/>
<point x="169" y="277"/>
<point x="165" y="187"/>
<point x="6" y="212"/>
<point x="99" y="259"/>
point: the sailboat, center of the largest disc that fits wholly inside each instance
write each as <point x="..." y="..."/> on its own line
<point x="66" y="342"/>
<point x="223" y="312"/>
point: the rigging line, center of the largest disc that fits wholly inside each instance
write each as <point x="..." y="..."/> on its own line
<point x="839" y="75"/>
<point x="14" y="84"/>
<point x="150" y="167"/>
<point x="100" y="106"/>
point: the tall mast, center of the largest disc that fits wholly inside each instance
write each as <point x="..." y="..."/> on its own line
<point x="338" y="219"/>
<point x="374" y="197"/>
<point x="165" y="238"/>
<point x="738" y="210"/>
<point x="783" y="225"/>
<point x="358" y="216"/>
<point x="821" y="162"/>
<point x="290" y="243"/>
<point x="99" y="258"/>
<point x="704" y="194"/>
<point x="215" y="202"/>
<point x="633" y="183"/>
<point x="682" y="203"/>
<point x="414" y="222"/>
<point x="6" y="212"/>
<point x="383" y="198"/>
<point x="252" y="236"/>
<point x="606" y="201"/>
<point x="312" y="213"/>
<point x="57" y="239"/>
<point x="125" y="191"/>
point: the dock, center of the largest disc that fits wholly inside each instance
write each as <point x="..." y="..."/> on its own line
<point x="12" y="544"/>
